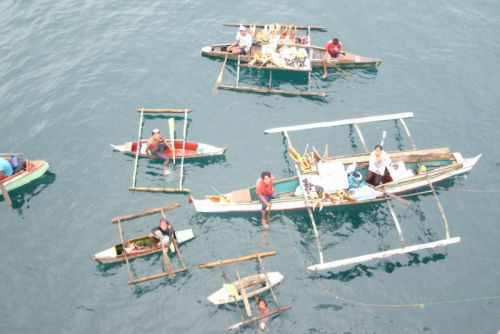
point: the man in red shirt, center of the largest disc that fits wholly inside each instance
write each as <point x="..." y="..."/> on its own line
<point x="333" y="50"/>
<point x="265" y="191"/>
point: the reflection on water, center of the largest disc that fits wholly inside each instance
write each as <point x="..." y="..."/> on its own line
<point x="25" y="194"/>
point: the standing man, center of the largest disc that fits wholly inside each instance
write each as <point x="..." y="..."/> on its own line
<point x="378" y="162"/>
<point x="157" y="146"/>
<point x="333" y="50"/>
<point x="265" y="191"/>
<point x="243" y="42"/>
<point x="163" y="233"/>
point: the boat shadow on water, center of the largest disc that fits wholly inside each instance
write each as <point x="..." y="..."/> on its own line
<point x="22" y="196"/>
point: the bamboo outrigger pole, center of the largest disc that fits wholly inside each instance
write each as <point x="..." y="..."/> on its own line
<point x="146" y="213"/>
<point x="159" y="190"/>
<point x="122" y="238"/>
<point x="299" y="27"/>
<point x="311" y="215"/>
<point x="236" y="260"/>
<point x="184" y="134"/>
<point x="138" y="148"/>
<point x="164" y="111"/>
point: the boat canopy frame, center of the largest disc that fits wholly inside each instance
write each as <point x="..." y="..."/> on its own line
<point x="250" y="318"/>
<point x="373" y="256"/>
<point x="161" y="113"/>
<point x="170" y="271"/>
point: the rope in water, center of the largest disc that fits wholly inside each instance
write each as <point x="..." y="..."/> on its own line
<point x="366" y="304"/>
<point x="473" y="190"/>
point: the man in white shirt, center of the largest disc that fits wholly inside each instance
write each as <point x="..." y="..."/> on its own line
<point x="379" y="160"/>
<point x="243" y="42"/>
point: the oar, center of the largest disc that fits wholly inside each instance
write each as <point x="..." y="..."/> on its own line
<point x="171" y="130"/>
<point x="219" y="78"/>
<point x="397" y="198"/>
<point x="340" y="70"/>
<point x="5" y="194"/>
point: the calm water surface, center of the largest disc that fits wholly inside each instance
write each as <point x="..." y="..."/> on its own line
<point x="73" y="72"/>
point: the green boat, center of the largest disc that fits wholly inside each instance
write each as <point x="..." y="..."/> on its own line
<point x="32" y="171"/>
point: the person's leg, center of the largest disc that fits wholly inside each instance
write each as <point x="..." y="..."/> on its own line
<point x="325" y="59"/>
<point x="377" y="179"/>
<point x="370" y="177"/>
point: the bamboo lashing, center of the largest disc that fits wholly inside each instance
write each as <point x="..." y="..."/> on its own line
<point x="382" y="255"/>
<point x="146" y="213"/>
<point x="164" y="111"/>
<point x="236" y="260"/>
<point x="159" y="190"/>
<point x="138" y="148"/>
<point x="184" y="134"/>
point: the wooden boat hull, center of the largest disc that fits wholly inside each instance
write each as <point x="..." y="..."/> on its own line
<point x="253" y="285"/>
<point x="34" y="170"/>
<point x="245" y="200"/>
<point x="350" y="60"/>
<point x="193" y="149"/>
<point x="115" y="254"/>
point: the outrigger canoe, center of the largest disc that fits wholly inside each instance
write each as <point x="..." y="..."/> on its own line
<point x="116" y="254"/>
<point x="350" y="60"/>
<point x="441" y="164"/>
<point x="193" y="149"/>
<point x="34" y="169"/>
<point x="337" y="180"/>
<point x="253" y="285"/>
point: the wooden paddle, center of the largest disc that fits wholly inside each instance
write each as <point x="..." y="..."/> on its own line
<point x="392" y="196"/>
<point x="243" y="293"/>
<point x="171" y="130"/>
<point x="5" y="194"/>
<point x="219" y="78"/>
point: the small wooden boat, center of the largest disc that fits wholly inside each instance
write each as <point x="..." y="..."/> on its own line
<point x="253" y="285"/>
<point x="116" y="254"/>
<point x="33" y="170"/>
<point x="193" y="149"/>
<point x="350" y="60"/>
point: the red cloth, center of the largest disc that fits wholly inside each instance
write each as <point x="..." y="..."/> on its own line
<point x="264" y="189"/>
<point x="333" y="49"/>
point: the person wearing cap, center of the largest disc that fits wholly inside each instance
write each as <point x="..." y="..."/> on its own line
<point x="243" y="42"/>
<point x="333" y="50"/>
<point x="157" y="147"/>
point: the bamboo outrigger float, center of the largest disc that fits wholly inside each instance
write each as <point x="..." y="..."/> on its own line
<point x="323" y="181"/>
<point x="181" y="149"/>
<point x="299" y="60"/>
<point x="127" y="256"/>
<point x="248" y="287"/>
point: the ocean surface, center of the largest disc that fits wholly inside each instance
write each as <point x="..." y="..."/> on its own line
<point x="74" y="72"/>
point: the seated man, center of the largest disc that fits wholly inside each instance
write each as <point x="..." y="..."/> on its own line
<point x="378" y="162"/>
<point x="5" y="168"/>
<point x="163" y="233"/>
<point x="333" y="50"/>
<point x="157" y="144"/>
<point x="243" y="42"/>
